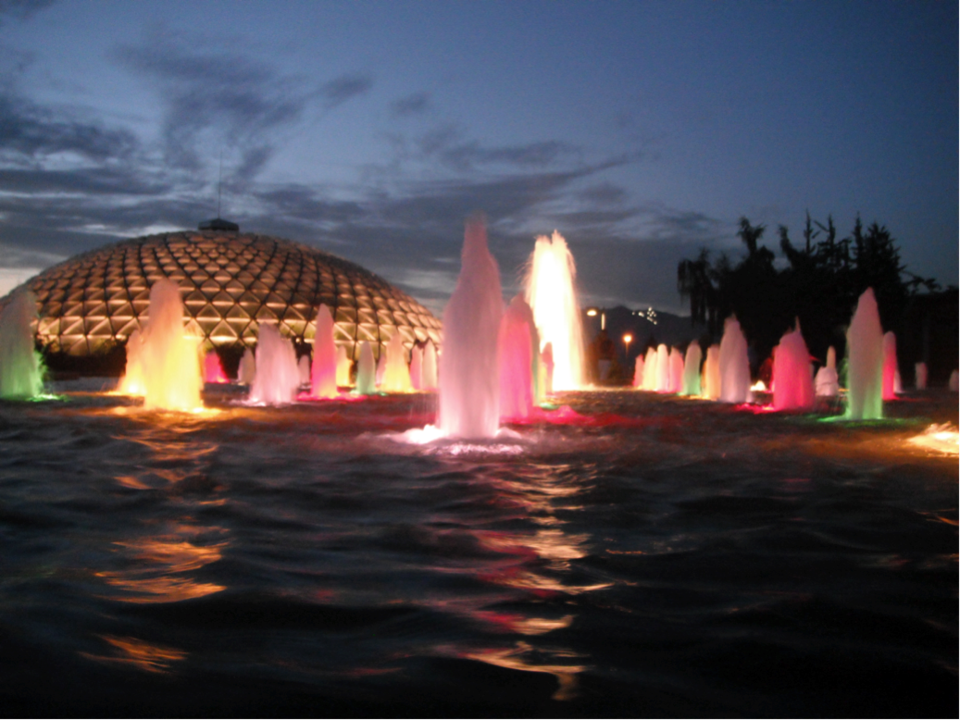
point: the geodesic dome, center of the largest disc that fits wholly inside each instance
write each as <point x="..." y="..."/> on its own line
<point x="230" y="282"/>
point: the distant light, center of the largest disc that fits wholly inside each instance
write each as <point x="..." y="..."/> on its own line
<point x="592" y="312"/>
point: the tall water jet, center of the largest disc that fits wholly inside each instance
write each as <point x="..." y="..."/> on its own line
<point x="132" y="381"/>
<point x="711" y="380"/>
<point x="547" y="366"/>
<point x="323" y="371"/>
<point x="396" y="374"/>
<point x="650" y="369"/>
<point x="303" y="370"/>
<point x="516" y="362"/>
<point x="691" y="369"/>
<point x="734" y="363"/>
<point x="169" y="358"/>
<point x="865" y="361"/>
<point x="428" y="373"/>
<point x="343" y="366"/>
<point x="920" y="375"/>
<point x="213" y="369"/>
<point x="278" y="374"/>
<point x="551" y="294"/>
<point x="793" y="389"/>
<point x="381" y="366"/>
<point x="827" y="382"/>
<point x="676" y="371"/>
<point x="416" y="367"/>
<point x="247" y="372"/>
<point x="638" y="370"/>
<point x="469" y="373"/>
<point x="663" y="369"/>
<point x="21" y="372"/>
<point x="890" y="380"/>
<point x="366" y="371"/>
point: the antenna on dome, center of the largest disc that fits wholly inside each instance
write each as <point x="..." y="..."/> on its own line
<point x="219" y="223"/>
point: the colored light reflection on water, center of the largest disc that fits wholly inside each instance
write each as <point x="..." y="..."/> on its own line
<point x="624" y="550"/>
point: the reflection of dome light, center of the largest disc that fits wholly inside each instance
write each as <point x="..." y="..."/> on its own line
<point x="229" y="283"/>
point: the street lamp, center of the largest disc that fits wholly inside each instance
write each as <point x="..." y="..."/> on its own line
<point x="627" y="339"/>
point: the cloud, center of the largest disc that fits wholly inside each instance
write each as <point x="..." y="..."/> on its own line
<point x="447" y="144"/>
<point x="413" y="104"/>
<point x="224" y="98"/>
<point x="22" y="9"/>
<point x="344" y="88"/>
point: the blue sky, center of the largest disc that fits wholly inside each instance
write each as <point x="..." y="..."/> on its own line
<point x="641" y="131"/>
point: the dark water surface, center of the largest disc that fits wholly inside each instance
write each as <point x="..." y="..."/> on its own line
<point x="653" y="557"/>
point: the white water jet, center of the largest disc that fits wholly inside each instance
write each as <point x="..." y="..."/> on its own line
<point x="676" y="371"/>
<point x="865" y="361"/>
<point x="650" y="370"/>
<point x="21" y="372"/>
<point x="734" y="363"/>
<point x="691" y="369"/>
<point x="381" y="366"/>
<point x="638" y="370"/>
<point x="551" y="294"/>
<point x="469" y="372"/>
<point x="827" y="383"/>
<point x="303" y="370"/>
<point x="247" y="371"/>
<point x="323" y="370"/>
<point x="278" y="374"/>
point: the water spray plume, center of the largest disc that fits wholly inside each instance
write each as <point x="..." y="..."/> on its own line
<point x="396" y="373"/>
<point x="278" y="376"/>
<point x="469" y="373"/>
<point x="168" y="357"/>
<point x="734" y="364"/>
<point x="551" y="293"/>
<point x="323" y="372"/>
<point x="793" y="373"/>
<point x="865" y="367"/>
<point x="21" y="372"/>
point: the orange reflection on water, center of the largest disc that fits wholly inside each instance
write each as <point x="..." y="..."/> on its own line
<point x="516" y="658"/>
<point x="157" y="570"/>
<point x="138" y="653"/>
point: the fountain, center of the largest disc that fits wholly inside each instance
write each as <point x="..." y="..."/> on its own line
<point x="676" y="371"/>
<point x="428" y="371"/>
<point x="954" y="382"/>
<point x="920" y="375"/>
<point x="691" y="369"/>
<point x="638" y="370"/>
<point x="547" y="365"/>
<point x="169" y="359"/>
<point x="711" y="381"/>
<point x="21" y="371"/>
<point x="469" y="377"/>
<point x="132" y="381"/>
<point x="650" y="370"/>
<point x="865" y="351"/>
<point x="827" y="383"/>
<point x="213" y="369"/>
<point x="891" y="381"/>
<point x="734" y="363"/>
<point x="396" y="374"/>
<point x="516" y="361"/>
<point x="303" y="370"/>
<point x="248" y="368"/>
<point x="343" y="366"/>
<point x="323" y="372"/>
<point x="663" y="369"/>
<point x="793" y="388"/>
<point x="366" y="371"/>
<point x="278" y="374"/>
<point x="551" y="294"/>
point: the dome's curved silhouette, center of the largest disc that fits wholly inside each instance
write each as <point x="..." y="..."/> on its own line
<point x="229" y="283"/>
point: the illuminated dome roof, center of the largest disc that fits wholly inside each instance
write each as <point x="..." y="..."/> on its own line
<point x="229" y="283"/>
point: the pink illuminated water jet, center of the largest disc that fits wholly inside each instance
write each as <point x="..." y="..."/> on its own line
<point x="428" y="371"/>
<point x="469" y="372"/>
<point x="516" y="361"/>
<point x="213" y="369"/>
<point x="793" y="389"/>
<point x="323" y="370"/>
<point x="826" y="383"/>
<point x="551" y="294"/>
<point x="890" y="373"/>
<point x="278" y="373"/>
